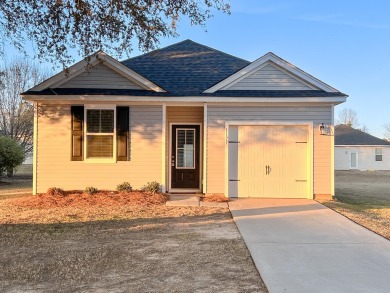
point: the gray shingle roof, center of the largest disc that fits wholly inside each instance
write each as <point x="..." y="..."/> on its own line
<point x="225" y="93"/>
<point x="186" y="67"/>
<point x="346" y="135"/>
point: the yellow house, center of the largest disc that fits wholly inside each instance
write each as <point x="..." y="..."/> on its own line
<point x="190" y="117"/>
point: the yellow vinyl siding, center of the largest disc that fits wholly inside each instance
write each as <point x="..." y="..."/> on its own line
<point x="180" y="114"/>
<point x="100" y="76"/>
<point x="217" y="115"/>
<point x="55" y="168"/>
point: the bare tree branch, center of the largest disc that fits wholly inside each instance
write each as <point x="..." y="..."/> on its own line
<point x="16" y="115"/>
<point x="55" y="27"/>
<point x="348" y="117"/>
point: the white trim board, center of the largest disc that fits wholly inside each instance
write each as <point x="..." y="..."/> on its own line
<point x="192" y="99"/>
<point x="272" y="58"/>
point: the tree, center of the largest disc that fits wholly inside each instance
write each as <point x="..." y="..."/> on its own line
<point x="387" y="133"/>
<point x="16" y="116"/>
<point x="55" y="27"/>
<point x="348" y="117"/>
<point x="11" y="155"/>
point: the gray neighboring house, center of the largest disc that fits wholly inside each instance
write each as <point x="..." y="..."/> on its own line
<point x="355" y="149"/>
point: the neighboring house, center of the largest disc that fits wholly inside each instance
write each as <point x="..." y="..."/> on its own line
<point x="189" y="117"/>
<point x="355" y="149"/>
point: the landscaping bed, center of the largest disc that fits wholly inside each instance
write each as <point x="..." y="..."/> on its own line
<point x="120" y="242"/>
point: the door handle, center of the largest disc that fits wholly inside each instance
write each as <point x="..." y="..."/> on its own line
<point x="267" y="170"/>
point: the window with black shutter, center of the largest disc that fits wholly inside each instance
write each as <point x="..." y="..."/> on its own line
<point x="100" y="133"/>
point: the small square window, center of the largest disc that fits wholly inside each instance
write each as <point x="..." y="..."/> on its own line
<point x="378" y="154"/>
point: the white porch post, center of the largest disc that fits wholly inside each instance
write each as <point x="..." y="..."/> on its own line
<point x="163" y="148"/>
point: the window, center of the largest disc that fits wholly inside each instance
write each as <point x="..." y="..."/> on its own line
<point x="100" y="133"/>
<point x="378" y="154"/>
<point x="185" y="148"/>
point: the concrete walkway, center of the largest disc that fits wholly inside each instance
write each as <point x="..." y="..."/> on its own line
<point x="302" y="246"/>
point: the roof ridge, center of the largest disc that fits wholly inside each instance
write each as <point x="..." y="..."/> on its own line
<point x="184" y="41"/>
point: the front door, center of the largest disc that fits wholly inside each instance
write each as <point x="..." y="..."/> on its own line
<point x="185" y="156"/>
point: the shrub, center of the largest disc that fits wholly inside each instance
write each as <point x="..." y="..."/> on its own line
<point x="91" y="190"/>
<point x="55" y="191"/>
<point x="11" y="155"/>
<point x="152" y="187"/>
<point x="124" y="187"/>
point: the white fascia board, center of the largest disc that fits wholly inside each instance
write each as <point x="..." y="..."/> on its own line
<point x="99" y="57"/>
<point x="113" y="98"/>
<point x="257" y="64"/>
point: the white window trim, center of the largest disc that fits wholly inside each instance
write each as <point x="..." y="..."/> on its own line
<point x="381" y="154"/>
<point x="99" y="107"/>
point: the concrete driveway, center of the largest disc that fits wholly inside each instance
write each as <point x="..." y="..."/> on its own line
<point x="299" y="245"/>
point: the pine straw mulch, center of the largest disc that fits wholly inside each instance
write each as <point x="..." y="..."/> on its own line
<point x="76" y="206"/>
<point x="214" y="198"/>
<point x="77" y="198"/>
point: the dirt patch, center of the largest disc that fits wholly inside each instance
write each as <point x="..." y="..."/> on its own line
<point x="146" y="248"/>
<point x="364" y="197"/>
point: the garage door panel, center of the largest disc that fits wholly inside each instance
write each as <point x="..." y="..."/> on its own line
<point x="271" y="161"/>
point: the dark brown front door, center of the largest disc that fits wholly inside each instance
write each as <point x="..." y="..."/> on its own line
<point x="185" y="156"/>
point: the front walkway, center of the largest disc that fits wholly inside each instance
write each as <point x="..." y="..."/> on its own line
<point x="302" y="246"/>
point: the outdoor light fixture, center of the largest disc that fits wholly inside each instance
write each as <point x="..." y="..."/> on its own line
<point x="322" y="129"/>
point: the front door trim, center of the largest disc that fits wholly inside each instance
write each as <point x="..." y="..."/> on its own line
<point x="309" y="125"/>
<point x="168" y="160"/>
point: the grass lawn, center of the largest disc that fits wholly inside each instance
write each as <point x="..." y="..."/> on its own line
<point x="19" y="184"/>
<point x="114" y="245"/>
<point x="364" y="197"/>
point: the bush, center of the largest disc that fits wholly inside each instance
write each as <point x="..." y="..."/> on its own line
<point x="91" y="190"/>
<point x="152" y="187"/>
<point x="11" y="155"/>
<point x="55" y="191"/>
<point x="124" y="187"/>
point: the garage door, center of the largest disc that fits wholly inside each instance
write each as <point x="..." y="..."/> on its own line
<point x="268" y="161"/>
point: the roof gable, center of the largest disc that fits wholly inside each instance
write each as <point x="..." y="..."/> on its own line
<point x="269" y="77"/>
<point x="88" y="74"/>
<point x="100" y="76"/>
<point x="271" y="59"/>
<point x="186" y="67"/>
<point x="346" y="135"/>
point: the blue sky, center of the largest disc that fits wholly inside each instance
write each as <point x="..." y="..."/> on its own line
<point x="343" y="43"/>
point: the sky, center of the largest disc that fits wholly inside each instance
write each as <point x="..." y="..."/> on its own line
<point x="346" y="44"/>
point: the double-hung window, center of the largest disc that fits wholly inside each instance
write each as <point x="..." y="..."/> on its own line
<point x="100" y="143"/>
<point x="378" y="154"/>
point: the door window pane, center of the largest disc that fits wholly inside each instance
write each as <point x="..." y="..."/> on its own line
<point x="185" y="148"/>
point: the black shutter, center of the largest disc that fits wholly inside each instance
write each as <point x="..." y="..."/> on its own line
<point x="122" y="133"/>
<point x="77" y="132"/>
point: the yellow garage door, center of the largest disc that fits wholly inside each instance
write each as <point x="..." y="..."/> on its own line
<point x="268" y="161"/>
